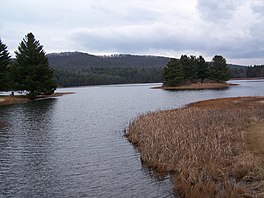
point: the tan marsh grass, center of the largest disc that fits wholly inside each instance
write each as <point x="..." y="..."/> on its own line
<point x="202" y="146"/>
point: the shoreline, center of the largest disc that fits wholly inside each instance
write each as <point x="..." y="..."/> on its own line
<point x="205" y="147"/>
<point x="255" y="78"/>
<point x="10" y="100"/>
<point x="197" y="86"/>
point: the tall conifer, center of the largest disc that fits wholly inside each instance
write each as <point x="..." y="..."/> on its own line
<point x="218" y="69"/>
<point x="4" y="67"/>
<point x="173" y="73"/>
<point x="202" y="68"/>
<point x="31" y="71"/>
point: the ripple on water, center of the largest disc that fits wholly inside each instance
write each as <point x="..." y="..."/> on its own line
<point x="73" y="146"/>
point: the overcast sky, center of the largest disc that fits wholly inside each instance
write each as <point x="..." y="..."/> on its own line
<point x="231" y="28"/>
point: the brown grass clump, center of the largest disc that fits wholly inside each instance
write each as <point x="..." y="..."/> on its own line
<point x="8" y="100"/>
<point x="202" y="146"/>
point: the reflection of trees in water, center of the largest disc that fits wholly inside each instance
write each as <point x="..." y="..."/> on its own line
<point x="37" y="115"/>
<point x="3" y="117"/>
<point x="27" y="148"/>
<point x="3" y="124"/>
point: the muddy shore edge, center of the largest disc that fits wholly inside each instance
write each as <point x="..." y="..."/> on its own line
<point x="9" y="100"/>
<point x="197" y="86"/>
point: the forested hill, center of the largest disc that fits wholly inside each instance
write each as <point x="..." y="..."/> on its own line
<point x="80" y="69"/>
<point x="76" y="61"/>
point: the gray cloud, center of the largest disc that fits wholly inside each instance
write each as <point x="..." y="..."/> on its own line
<point x="136" y="38"/>
<point x="215" y="10"/>
<point x="162" y="27"/>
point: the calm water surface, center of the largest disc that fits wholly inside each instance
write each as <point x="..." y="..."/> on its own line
<point x="73" y="146"/>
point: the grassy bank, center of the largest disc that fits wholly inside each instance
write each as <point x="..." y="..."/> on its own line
<point x="203" y="146"/>
<point x="198" y="86"/>
<point x="8" y="100"/>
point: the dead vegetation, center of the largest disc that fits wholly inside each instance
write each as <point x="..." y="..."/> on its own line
<point x="202" y="147"/>
<point x="197" y="86"/>
<point x="255" y="140"/>
<point x="8" y="100"/>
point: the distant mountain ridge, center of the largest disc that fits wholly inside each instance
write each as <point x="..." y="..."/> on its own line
<point x="79" y="60"/>
<point x="76" y="61"/>
<point x="81" y="69"/>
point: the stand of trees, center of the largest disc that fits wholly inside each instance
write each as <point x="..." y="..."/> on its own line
<point x="108" y="75"/>
<point x="255" y="71"/>
<point x="192" y="69"/>
<point x="81" y="69"/>
<point x="30" y="71"/>
<point x="5" y="60"/>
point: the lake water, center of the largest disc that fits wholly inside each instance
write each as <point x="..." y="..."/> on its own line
<point x="73" y="146"/>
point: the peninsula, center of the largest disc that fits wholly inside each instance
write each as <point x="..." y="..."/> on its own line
<point x="211" y="148"/>
<point x="9" y="100"/>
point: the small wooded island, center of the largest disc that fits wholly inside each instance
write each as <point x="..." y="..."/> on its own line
<point x="194" y="73"/>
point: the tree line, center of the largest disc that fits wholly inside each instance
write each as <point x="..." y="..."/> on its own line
<point x="253" y="71"/>
<point x="81" y="69"/>
<point x="29" y="71"/>
<point x="108" y="75"/>
<point x="192" y="69"/>
<point x="76" y="61"/>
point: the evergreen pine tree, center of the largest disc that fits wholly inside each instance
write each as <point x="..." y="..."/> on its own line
<point x="193" y="72"/>
<point x="179" y="79"/>
<point x="4" y="67"/>
<point x="173" y="73"/>
<point x="189" y="67"/>
<point x="218" y="69"/>
<point x="186" y="66"/>
<point x="31" y="71"/>
<point x="202" y="68"/>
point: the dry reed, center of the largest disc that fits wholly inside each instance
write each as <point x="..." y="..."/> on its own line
<point x="197" y="86"/>
<point x="202" y="146"/>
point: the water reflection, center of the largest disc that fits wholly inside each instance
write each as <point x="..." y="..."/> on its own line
<point x="25" y="149"/>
